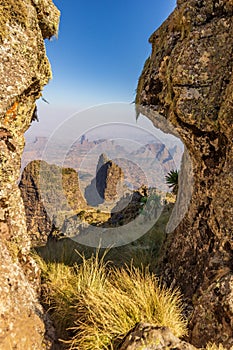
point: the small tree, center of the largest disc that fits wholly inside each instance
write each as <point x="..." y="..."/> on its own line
<point x="172" y="180"/>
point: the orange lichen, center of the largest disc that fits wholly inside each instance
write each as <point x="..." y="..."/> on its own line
<point x="13" y="110"/>
<point x="11" y="113"/>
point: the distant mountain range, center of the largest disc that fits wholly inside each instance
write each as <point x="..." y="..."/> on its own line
<point x="141" y="164"/>
<point x="101" y="175"/>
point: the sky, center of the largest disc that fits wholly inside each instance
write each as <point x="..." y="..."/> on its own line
<point x="98" y="56"/>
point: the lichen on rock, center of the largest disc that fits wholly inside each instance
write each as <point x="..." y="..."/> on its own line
<point x="188" y="82"/>
<point x="24" y="70"/>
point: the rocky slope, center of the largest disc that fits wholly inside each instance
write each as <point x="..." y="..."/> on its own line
<point x="24" y="71"/>
<point x="47" y="190"/>
<point x="187" y="82"/>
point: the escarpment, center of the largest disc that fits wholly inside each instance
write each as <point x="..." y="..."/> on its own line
<point x="24" y="71"/>
<point x="48" y="189"/>
<point x="188" y="82"/>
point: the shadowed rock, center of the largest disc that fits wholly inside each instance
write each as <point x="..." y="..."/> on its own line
<point x="24" y="70"/>
<point x="107" y="184"/>
<point x="186" y="88"/>
<point x="47" y="190"/>
<point x="145" y="336"/>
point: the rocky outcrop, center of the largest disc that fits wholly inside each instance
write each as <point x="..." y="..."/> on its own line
<point x="21" y="322"/>
<point x="24" y="70"/>
<point x="128" y="207"/>
<point x="48" y="190"/>
<point x="148" y="337"/>
<point x="109" y="178"/>
<point x="188" y="82"/>
<point x="107" y="184"/>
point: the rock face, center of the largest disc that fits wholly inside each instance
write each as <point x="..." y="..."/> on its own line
<point x="24" y="71"/>
<point x="188" y="80"/>
<point x="107" y="184"/>
<point x="109" y="178"/>
<point x="128" y="207"/>
<point x="148" y="337"/>
<point x="46" y="190"/>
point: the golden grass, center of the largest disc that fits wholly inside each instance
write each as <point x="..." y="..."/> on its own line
<point x="93" y="304"/>
<point x="62" y="285"/>
<point x="215" y="347"/>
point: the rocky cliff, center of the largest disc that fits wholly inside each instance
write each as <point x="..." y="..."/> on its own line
<point x="188" y="82"/>
<point x="24" y="71"/>
<point x="47" y="191"/>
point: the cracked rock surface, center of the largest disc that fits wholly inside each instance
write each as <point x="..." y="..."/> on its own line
<point x="24" y="70"/>
<point x="188" y="82"/>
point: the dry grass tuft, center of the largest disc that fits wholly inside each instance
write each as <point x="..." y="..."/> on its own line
<point x="215" y="347"/>
<point x="93" y="304"/>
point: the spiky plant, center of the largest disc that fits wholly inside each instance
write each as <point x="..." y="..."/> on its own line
<point x="172" y="180"/>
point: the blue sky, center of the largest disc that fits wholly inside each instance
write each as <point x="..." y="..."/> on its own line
<point x="99" y="54"/>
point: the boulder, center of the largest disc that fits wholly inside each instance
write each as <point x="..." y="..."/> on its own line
<point x="145" y="336"/>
